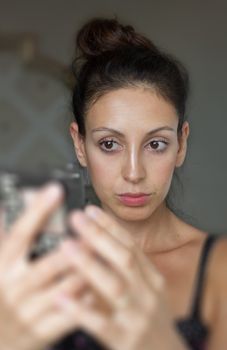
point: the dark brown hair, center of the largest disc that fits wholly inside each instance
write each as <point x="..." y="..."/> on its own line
<point x="110" y="55"/>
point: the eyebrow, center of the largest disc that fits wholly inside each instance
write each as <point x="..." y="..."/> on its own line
<point x="120" y="134"/>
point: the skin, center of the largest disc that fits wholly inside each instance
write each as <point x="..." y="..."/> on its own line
<point x="144" y="253"/>
<point x="147" y="240"/>
<point x="30" y="316"/>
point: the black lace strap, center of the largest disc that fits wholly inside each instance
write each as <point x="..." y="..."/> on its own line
<point x="209" y="242"/>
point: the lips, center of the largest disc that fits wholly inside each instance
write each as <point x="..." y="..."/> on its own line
<point x="134" y="199"/>
<point x="134" y="195"/>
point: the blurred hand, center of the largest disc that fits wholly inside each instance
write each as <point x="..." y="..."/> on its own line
<point x="126" y="280"/>
<point x="30" y="316"/>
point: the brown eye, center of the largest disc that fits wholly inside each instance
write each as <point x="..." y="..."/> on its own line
<point x="109" y="145"/>
<point x="158" y="145"/>
<point x="154" y="144"/>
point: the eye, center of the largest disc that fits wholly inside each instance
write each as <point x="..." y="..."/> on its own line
<point x="158" y="145"/>
<point x="109" y="145"/>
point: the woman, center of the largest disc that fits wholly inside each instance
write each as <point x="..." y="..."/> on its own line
<point x="131" y="279"/>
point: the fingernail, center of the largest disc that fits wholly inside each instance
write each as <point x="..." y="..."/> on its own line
<point x="92" y="211"/>
<point x="67" y="303"/>
<point x="53" y="191"/>
<point x="63" y="300"/>
<point x="79" y="217"/>
<point x="70" y="248"/>
<point x="88" y="299"/>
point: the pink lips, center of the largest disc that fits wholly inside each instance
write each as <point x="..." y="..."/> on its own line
<point x="134" y="199"/>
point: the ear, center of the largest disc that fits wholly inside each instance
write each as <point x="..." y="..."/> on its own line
<point x="182" y="141"/>
<point x="78" y="141"/>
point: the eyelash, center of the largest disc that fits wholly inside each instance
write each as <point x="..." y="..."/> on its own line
<point x="101" y="143"/>
<point x="159" y="141"/>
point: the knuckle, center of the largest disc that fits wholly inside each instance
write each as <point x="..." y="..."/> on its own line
<point x="24" y="319"/>
<point x="39" y="335"/>
<point x="129" y="260"/>
<point x="142" y="324"/>
<point x="8" y="296"/>
<point x="99" y="232"/>
<point x="117" y="289"/>
<point x="102" y="327"/>
<point x="10" y="292"/>
<point x="151" y="306"/>
<point x="139" y="331"/>
<point x="52" y="264"/>
<point x="149" y="303"/>
<point x="142" y="332"/>
<point x="160" y="284"/>
<point x="33" y="329"/>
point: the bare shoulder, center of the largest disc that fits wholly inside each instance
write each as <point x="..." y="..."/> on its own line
<point x="216" y="279"/>
<point x="217" y="269"/>
<point x="217" y="284"/>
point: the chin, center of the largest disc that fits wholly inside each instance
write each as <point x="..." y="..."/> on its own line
<point x="139" y="213"/>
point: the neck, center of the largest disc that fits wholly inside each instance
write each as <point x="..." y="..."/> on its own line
<point x="157" y="234"/>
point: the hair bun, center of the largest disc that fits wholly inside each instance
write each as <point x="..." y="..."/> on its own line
<point x="100" y="35"/>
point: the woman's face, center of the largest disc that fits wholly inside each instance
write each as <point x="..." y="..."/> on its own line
<point x="131" y="149"/>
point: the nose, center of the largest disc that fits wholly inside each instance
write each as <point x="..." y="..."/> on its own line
<point x="133" y="169"/>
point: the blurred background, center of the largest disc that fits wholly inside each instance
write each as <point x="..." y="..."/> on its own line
<point x="36" y="49"/>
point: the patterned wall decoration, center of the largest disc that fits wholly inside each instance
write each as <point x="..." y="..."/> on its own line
<point x="35" y="111"/>
<point x="34" y="107"/>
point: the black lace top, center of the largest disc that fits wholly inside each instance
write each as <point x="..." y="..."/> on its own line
<point x="192" y="329"/>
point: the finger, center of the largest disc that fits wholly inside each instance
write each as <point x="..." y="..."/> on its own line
<point x="96" y="324"/>
<point x="98" y="275"/>
<point x="108" y="223"/>
<point x="37" y="306"/>
<point x="80" y="316"/>
<point x="119" y="257"/>
<point x="63" y="320"/>
<point x="102" y="328"/>
<point x="134" y="268"/>
<point x="30" y="223"/>
<point x="147" y="268"/>
<point x="40" y="273"/>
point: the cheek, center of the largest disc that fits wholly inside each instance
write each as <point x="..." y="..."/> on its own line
<point x="162" y="174"/>
<point x="102" y="170"/>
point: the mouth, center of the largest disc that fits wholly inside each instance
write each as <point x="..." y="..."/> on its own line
<point x="134" y="195"/>
<point x="134" y="199"/>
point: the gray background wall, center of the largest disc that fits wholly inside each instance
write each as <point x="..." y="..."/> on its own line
<point x="195" y="31"/>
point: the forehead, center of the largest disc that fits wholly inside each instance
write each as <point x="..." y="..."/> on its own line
<point x="128" y="107"/>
